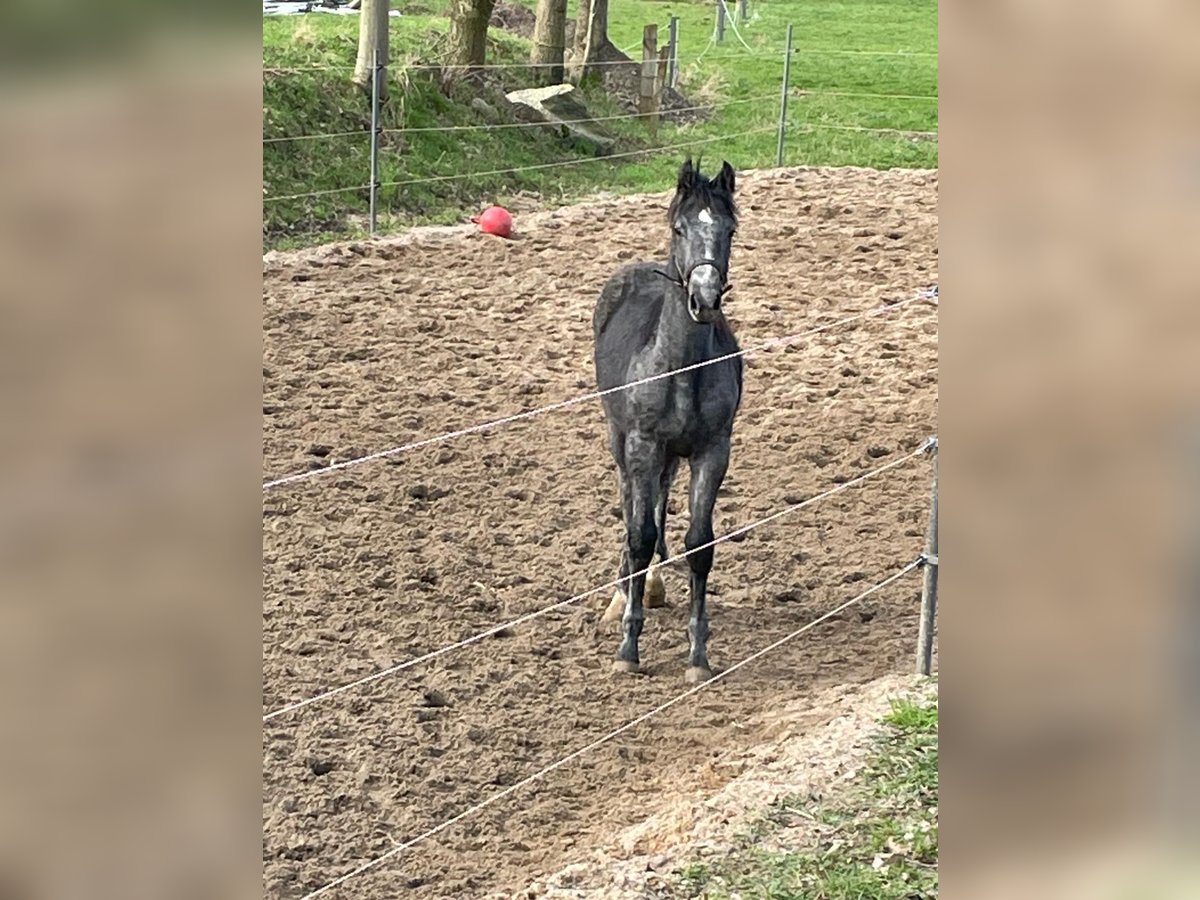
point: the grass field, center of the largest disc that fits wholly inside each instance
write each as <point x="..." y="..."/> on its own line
<point x="884" y="49"/>
<point x="877" y="842"/>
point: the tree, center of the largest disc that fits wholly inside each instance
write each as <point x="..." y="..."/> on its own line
<point x="372" y="39"/>
<point x="582" y="17"/>
<point x="549" y="40"/>
<point x="596" y="47"/>
<point x="468" y="31"/>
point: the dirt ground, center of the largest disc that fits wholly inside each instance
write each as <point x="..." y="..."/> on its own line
<point x="368" y="346"/>
<point x="812" y="747"/>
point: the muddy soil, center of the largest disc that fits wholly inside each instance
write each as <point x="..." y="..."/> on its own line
<point x="368" y="346"/>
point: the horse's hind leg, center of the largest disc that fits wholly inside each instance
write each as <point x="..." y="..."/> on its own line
<point x="708" y="471"/>
<point x="656" y="590"/>
<point x="616" y="445"/>
<point x="616" y="605"/>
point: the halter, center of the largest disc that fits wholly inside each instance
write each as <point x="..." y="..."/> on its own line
<point x="683" y="278"/>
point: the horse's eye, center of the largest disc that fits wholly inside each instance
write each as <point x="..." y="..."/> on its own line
<point x="678" y="229"/>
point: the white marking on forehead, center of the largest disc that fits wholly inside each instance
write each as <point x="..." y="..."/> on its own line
<point x="705" y="217"/>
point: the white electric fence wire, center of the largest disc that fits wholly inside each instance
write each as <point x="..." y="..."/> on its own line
<point x="537" y="613"/>
<point x="486" y="66"/>
<point x="437" y="67"/>
<point x="548" y="124"/>
<point x="732" y="20"/>
<point x="488" y="126"/>
<point x="632" y="723"/>
<point x="822" y="92"/>
<point x="712" y="42"/>
<point x="578" y="162"/>
<point x="611" y="62"/>
<point x="766" y="54"/>
<point x="341" y="190"/>
<point x="312" y="137"/>
<point x="517" y="169"/>
<point x="501" y="126"/>
<point x="903" y="54"/>
<point x="860" y="128"/>
<point x="594" y="395"/>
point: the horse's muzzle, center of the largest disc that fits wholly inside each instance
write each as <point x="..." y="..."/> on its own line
<point x="702" y="315"/>
<point x="705" y="289"/>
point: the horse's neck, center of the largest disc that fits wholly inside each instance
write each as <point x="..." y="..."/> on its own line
<point x="678" y="341"/>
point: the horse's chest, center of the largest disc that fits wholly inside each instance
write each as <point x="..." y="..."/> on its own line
<point x="681" y="413"/>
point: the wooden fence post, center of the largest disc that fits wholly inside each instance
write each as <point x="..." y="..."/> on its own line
<point x="646" y="88"/>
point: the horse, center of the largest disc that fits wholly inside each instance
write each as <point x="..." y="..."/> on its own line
<point x="654" y="318"/>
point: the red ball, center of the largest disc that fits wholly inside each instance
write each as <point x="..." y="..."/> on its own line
<point x="495" y="220"/>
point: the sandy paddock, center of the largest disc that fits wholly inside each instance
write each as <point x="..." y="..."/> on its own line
<point x="368" y="346"/>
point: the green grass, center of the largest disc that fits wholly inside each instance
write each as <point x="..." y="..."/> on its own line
<point x="318" y="100"/>
<point x="877" y="842"/>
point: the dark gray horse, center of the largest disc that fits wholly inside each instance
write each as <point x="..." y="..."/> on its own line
<point x="653" y="318"/>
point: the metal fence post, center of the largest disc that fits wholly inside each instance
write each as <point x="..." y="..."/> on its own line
<point x="930" y="584"/>
<point x="743" y="11"/>
<point x="787" y="76"/>
<point x="673" y="45"/>
<point x="375" y="75"/>
<point x="720" y="21"/>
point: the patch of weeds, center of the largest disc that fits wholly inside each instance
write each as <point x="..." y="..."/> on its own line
<point x="877" y="841"/>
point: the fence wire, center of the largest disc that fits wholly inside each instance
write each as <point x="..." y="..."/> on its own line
<point x="438" y="67"/>
<point x="769" y="344"/>
<point x="514" y="170"/>
<point x="607" y="586"/>
<point x="501" y="126"/>
<point x="750" y="54"/>
<point x="459" y="176"/>
<point x="830" y="126"/>
<point x="616" y="732"/>
<point x="548" y="124"/>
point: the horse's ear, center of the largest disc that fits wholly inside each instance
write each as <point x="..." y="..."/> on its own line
<point x="687" y="176"/>
<point x="725" y="178"/>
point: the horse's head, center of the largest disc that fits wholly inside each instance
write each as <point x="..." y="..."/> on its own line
<point x="703" y="219"/>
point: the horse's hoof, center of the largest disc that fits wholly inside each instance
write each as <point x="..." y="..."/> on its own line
<point x="655" y="595"/>
<point x="697" y="675"/>
<point x="616" y="608"/>
<point x="625" y="667"/>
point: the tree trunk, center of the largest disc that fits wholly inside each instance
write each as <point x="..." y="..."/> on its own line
<point x="372" y="37"/>
<point x="599" y="48"/>
<point x="582" y="18"/>
<point x="549" y="39"/>
<point x="468" y="31"/>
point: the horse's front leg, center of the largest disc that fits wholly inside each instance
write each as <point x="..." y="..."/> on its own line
<point x="655" y="595"/>
<point x="708" y="471"/>
<point x="643" y="468"/>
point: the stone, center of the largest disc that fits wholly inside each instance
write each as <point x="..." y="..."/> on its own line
<point x="485" y="109"/>
<point x="559" y="106"/>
